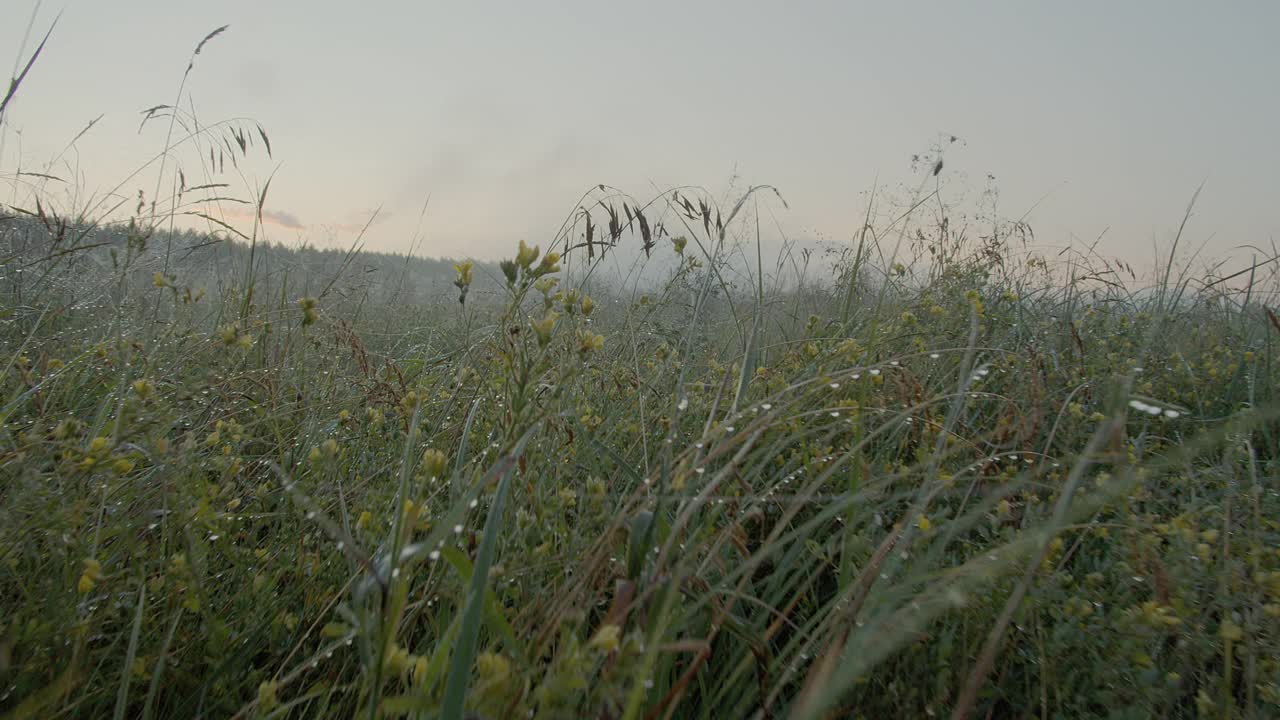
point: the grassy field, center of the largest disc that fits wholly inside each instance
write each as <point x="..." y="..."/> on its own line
<point x="958" y="479"/>
<point x="886" y="494"/>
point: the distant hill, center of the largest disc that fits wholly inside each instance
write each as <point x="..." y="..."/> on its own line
<point x="80" y="259"/>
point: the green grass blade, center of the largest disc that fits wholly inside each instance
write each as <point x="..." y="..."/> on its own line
<point x="153" y="689"/>
<point x="122" y="697"/>
<point x="455" y="691"/>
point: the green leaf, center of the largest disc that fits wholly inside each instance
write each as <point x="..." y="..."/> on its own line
<point x="455" y="691"/>
<point x="492" y="610"/>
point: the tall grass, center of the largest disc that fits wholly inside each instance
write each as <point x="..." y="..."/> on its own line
<point x="944" y="476"/>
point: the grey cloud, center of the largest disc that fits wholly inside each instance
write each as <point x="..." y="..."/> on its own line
<point x="283" y="219"/>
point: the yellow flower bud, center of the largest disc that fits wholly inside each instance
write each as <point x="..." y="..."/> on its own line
<point x="606" y="638"/>
<point x="310" y="310"/>
<point x="89" y="576"/>
<point x="542" y="328"/>
<point x="526" y="255"/>
<point x="267" y="698"/>
<point x="589" y="342"/>
<point x="433" y="462"/>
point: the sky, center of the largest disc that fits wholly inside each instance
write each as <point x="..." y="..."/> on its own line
<point x="1094" y="118"/>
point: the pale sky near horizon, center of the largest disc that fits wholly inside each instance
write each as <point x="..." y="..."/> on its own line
<point x="1107" y="114"/>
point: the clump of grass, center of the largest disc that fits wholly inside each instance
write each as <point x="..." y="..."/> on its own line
<point x="904" y="487"/>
